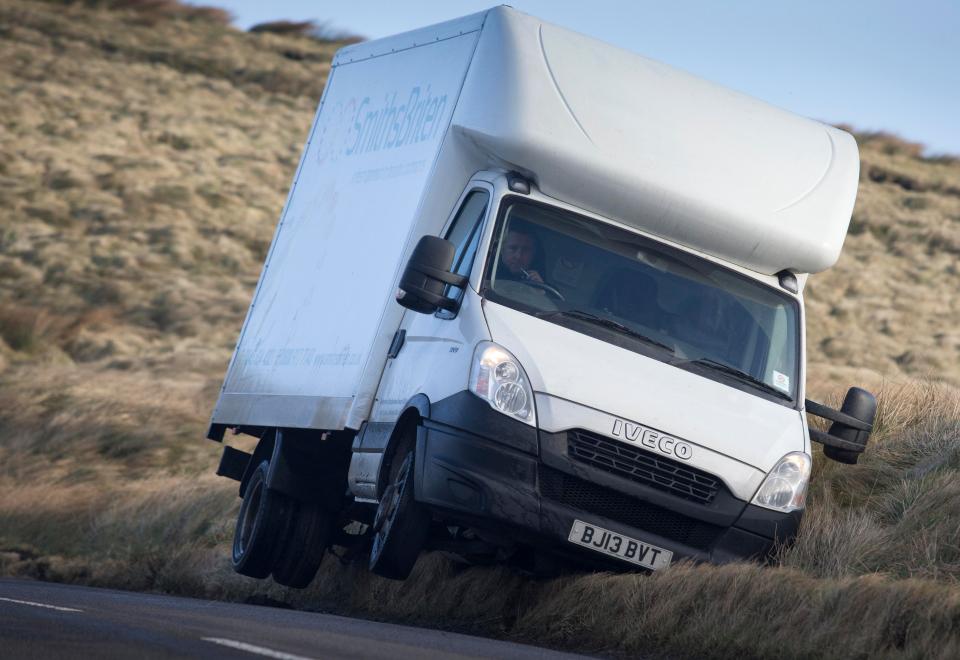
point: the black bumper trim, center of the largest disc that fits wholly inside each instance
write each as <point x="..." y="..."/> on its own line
<point x="770" y="524"/>
<point x="588" y="497"/>
<point x="478" y="465"/>
<point x="467" y="412"/>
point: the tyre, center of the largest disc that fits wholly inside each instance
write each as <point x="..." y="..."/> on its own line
<point x="263" y="517"/>
<point x="301" y="552"/>
<point x="401" y="524"/>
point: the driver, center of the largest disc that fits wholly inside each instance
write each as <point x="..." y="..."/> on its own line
<point x="521" y="257"/>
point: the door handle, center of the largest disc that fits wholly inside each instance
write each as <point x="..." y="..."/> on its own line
<point x="398" y="338"/>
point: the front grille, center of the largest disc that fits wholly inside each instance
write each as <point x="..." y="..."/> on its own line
<point x="586" y="496"/>
<point x="642" y="466"/>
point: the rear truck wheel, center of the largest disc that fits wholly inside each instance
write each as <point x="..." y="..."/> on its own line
<point x="401" y="524"/>
<point x="263" y="517"/>
<point x="302" y="551"/>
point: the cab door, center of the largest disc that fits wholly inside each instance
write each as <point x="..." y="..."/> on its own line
<point x="436" y="349"/>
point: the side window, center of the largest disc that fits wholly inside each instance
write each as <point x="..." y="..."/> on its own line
<point x="465" y="235"/>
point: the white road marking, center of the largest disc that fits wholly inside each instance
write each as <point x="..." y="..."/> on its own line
<point x="44" y="605"/>
<point x="250" y="648"/>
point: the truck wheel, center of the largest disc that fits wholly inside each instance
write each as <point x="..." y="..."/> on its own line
<point x="263" y="515"/>
<point x="302" y="551"/>
<point x="401" y="524"/>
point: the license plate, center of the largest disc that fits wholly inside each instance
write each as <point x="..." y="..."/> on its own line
<point x="619" y="546"/>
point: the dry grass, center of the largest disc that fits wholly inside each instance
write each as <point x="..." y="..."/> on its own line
<point x="144" y="158"/>
<point x="152" y="11"/>
<point x="898" y="511"/>
<point x="890" y="304"/>
<point x="875" y="573"/>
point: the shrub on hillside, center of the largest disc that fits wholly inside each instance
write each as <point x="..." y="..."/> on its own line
<point x="27" y="329"/>
<point x="309" y="29"/>
<point x="159" y="9"/>
<point x="295" y="28"/>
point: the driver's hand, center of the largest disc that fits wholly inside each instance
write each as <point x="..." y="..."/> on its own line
<point x="534" y="276"/>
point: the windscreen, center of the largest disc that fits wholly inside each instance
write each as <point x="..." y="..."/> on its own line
<point x="610" y="283"/>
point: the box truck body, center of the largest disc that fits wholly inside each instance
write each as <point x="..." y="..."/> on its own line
<point x="613" y="364"/>
<point x="312" y="345"/>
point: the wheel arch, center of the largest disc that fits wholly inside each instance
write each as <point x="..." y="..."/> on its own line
<point x="414" y="412"/>
<point x="263" y="452"/>
<point x="308" y="465"/>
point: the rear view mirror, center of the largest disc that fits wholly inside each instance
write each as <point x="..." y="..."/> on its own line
<point x="852" y="424"/>
<point x="426" y="276"/>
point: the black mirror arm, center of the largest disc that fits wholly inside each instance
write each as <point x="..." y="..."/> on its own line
<point x="431" y="298"/>
<point x="828" y="440"/>
<point x="848" y="435"/>
<point x="442" y="275"/>
<point x="820" y="410"/>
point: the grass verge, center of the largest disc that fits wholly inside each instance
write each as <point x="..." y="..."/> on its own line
<point x="875" y="572"/>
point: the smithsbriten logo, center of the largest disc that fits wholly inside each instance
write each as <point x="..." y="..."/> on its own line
<point x="389" y="124"/>
<point x="651" y="439"/>
<point x="389" y="121"/>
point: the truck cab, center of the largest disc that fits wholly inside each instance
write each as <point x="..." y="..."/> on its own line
<point x="592" y="387"/>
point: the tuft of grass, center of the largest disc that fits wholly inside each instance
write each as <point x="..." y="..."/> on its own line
<point x="29" y="329"/>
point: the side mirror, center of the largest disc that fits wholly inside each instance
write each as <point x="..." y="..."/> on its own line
<point x="852" y="424"/>
<point x="426" y="276"/>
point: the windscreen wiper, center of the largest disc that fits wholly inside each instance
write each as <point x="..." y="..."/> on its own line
<point x="606" y="323"/>
<point x="739" y="374"/>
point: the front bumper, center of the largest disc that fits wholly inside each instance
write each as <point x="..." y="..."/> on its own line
<point x="479" y="467"/>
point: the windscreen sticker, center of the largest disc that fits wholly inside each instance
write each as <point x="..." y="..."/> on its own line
<point x="781" y="381"/>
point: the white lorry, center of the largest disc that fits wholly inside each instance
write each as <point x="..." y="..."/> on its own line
<point x="596" y="353"/>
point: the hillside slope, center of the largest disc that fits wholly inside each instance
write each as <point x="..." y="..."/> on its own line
<point x="890" y="304"/>
<point x="144" y="161"/>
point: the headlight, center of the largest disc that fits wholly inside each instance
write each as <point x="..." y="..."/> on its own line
<point x="497" y="377"/>
<point x="785" y="487"/>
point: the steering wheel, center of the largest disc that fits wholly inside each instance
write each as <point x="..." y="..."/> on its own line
<point x="546" y="287"/>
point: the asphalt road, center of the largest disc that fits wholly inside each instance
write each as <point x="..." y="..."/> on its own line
<point x="51" y="621"/>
